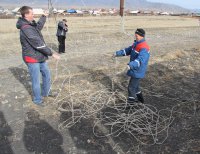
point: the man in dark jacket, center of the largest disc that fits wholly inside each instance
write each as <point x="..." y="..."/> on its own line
<point x="139" y="57"/>
<point x="35" y="52"/>
<point x="61" y="34"/>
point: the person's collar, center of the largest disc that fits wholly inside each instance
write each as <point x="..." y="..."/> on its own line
<point x="142" y="40"/>
<point x="33" y="22"/>
<point x="26" y="20"/>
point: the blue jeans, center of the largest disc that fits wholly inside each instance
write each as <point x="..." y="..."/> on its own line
<point x="133" y="87"/>
<point x="34" y="71"/>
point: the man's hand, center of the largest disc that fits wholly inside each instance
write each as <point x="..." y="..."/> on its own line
<point x="128" y="67"/>
<point x="56" y="56"/>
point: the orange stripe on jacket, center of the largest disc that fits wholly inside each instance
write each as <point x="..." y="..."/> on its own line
<point x="142" y="45"/>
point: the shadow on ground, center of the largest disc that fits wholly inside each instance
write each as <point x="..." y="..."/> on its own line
<point x="39" y="137"/>
<point x="85" y="140"/>
<point x="22" y="75"/>
<point x="5" y="133"/>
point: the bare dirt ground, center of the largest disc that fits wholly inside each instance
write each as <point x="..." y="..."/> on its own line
<point x="89" y="81"/>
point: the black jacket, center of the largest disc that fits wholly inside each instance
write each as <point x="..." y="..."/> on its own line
<point x="34" y="49"/>
<point x="62" y="29"/>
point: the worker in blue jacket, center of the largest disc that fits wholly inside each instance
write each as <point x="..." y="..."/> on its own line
<point x="139" y="57"/>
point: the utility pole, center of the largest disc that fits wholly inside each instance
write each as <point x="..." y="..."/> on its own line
<point x="122" y="14"/>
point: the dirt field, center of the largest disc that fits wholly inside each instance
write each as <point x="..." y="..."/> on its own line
<point x="92" y="85"/>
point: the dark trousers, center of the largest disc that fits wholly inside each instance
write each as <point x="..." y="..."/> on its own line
<point x="133" y="87"/>
<point x="61" y="47"/>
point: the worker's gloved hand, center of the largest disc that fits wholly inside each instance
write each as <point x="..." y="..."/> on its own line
<point x="128" y="67"/>
<point x="114" y="55"/>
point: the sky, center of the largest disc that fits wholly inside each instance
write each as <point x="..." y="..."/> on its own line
<point x="189" y="4"/>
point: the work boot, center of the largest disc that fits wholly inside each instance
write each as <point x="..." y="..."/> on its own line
<point x="130" y="103"/>
<point x="132" y="100"/>
<point x="40" y="103"/>
<point x="140" y="97"/>
<point x="52" y="94"/>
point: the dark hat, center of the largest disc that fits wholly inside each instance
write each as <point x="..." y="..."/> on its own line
<point x="65" y="20"/>
<point x="140" y="32"/>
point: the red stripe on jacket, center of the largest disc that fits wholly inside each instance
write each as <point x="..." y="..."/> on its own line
<point x="142" y="45"/>
<point x="30" y="59"/>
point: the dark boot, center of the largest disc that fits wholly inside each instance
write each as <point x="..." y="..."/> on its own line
<point x="140" y="97"/>
<point x="131" y="101"/>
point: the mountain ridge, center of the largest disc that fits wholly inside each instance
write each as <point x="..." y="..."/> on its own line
<point x="129" y="4"/>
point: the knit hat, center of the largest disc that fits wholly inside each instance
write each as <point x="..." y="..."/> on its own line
<point x="140" y="32"/>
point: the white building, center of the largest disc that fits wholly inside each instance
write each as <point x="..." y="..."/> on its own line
<point x="38" y="11"/>
<point x="164" y="13"/>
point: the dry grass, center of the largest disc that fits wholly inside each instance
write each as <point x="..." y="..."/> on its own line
<point x="107" y="23"/>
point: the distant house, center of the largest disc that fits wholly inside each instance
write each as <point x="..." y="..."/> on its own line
<point x="38" y="12"/>
<point x="16" y="10"/>
<point x="164" y="13"/>
<point x="79" y="12"/>
<point x="148" y="12"/>
<point x="95" y="12"/>
<point x="55" y="11"/>
<point x="103" y="12"/>
<point x="71" y="11"/>
<point x="133" y="12"/>
<point x="86" y="11"/>
<point x="1" y="10"/>
<point x="7" y="12"/>
<point x="60" y="11"/>
<point x="156" y="12"/>
<point x="113" y="12"/>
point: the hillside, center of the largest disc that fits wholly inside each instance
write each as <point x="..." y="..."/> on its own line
<point x="129" y="4"/>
